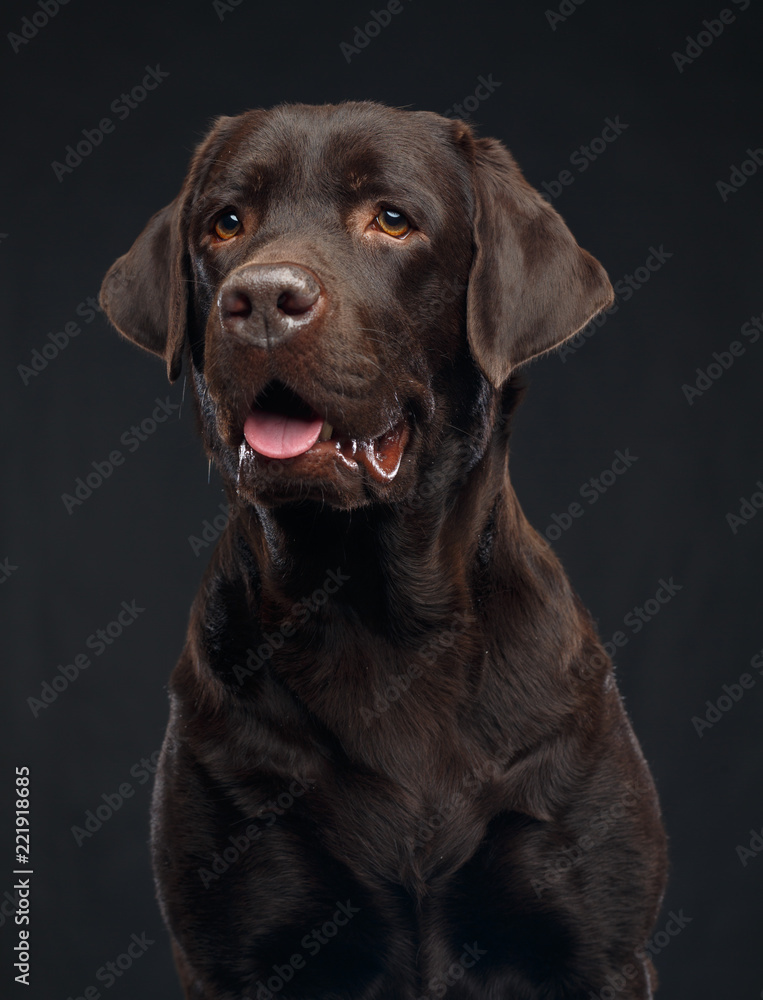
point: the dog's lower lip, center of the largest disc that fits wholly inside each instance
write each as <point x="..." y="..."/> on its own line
<point x="380" y="456"/>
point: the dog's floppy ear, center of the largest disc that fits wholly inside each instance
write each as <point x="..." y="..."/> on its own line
<point x="530" y="286"/>
<point x="145" y="292"/>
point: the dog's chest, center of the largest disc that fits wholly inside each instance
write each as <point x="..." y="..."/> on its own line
<point x="401" y="785"/>
<point x="407" y="825"/>
<point x="403" y="782"/>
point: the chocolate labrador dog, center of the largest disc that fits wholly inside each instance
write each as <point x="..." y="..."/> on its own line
<point x="397" y="764"/>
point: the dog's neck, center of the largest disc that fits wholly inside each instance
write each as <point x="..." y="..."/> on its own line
<point x="405" y="567"/>
<point x="329" y="601"/>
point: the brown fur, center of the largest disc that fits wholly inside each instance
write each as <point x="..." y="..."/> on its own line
<point x="452" y="756"/>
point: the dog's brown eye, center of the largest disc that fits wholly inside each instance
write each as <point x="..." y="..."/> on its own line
<point x="392" y="223"/>
<point x="227" y="225"/>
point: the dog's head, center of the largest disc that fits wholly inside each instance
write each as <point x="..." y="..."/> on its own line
<point x="349" y="283"/>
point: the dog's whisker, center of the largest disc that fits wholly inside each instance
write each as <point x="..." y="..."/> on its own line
<point x="464" y="432"/>
<point x="386" y="335"/>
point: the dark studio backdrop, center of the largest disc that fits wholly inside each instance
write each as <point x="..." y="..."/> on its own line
<point x="637" y="450"/>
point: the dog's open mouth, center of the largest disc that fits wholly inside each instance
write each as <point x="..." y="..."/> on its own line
<point x="281" y="425"/>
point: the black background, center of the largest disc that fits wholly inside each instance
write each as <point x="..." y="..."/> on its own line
<point x="653" y="186"/>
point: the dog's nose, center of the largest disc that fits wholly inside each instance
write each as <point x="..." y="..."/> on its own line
<point x="265" y="304"/>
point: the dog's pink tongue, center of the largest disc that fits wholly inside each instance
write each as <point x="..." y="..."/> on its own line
<point x="278" y="436"/>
